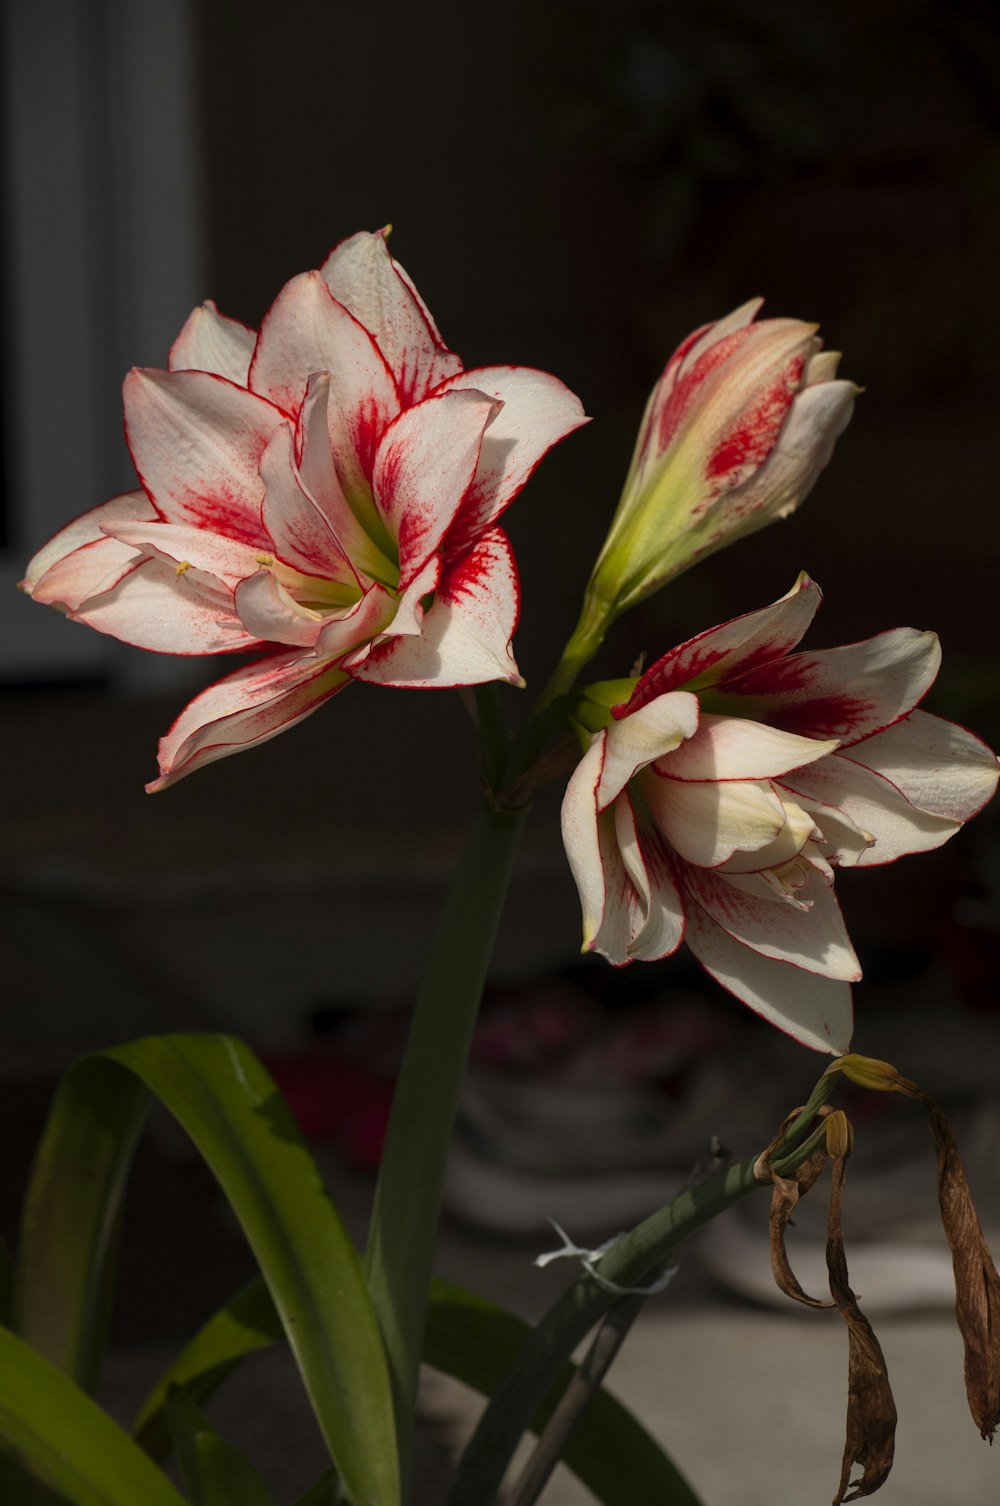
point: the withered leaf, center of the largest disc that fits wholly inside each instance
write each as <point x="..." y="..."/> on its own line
<point x="871" y="1410"/>
<point x="977" y="1285"/>
<point x="784" y="1197"/>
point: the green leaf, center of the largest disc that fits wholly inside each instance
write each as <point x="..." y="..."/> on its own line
<point x="219" y="1092"/>
<point x="246" y="1323"/>
<point x="67" y="1440"/>
<point x="215" y="1472"/>
<point x="66" y="1253"/>
<point x="323" y="1493"/>
<point x="476" y="1342"/>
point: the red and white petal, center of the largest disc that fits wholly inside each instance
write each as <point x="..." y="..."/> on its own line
<point x="848" y="693"/>
<point x="658" y="925"/>
<point x="319" y="477"/>
<point x="738" y="645"/>
<point x="246" y="708"/>
<point x="581" y="837"/>
<point x="196" y="441"/>
<point x="538" y="411"/>
<point x="186" y="545"/>
<point x="940" y="767"/>
<point x="81" y="560"/>
<point x="306" y="331"/>
<point x="874" y="805"/>
<point x="357" y="625"/>
<point x="813" y="938"/>
<point x="271" y="614"/>
<point x="814" y="1010"/>
<point x="157" y="608"/>
<point x="816" y="419"/>
<point x="211" y="341"/>
<point x="729" y="747"/>
<point x="707" y="823"/>
<point x="651" y="732"/>
<point x="466" y="631"/>
<point x="300" y="532"/>
<point x="410" y="613"/>
<point x="362" y="276"/>
<point x="423" y="468"/>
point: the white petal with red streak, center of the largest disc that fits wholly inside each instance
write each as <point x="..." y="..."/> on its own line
<point x="735" y="646"/>
<point x="211" y="341"/>
<point x="301" y="533"/>
<point x="848" y="693"/>
<point x="423" y="468"/>
<point x="362" y="276"/>
<point x="730" y="747"/>
<point x="658" y="918"/>
<point x="466" y="631"/>
<point x="81" y="560"/>
<point x="816" y="419"/>
<point x="707" y="823"/>
<point x="651" y="732"/>
<point x="306" y="331"/>
<point x="940" y="767"/>
<point x="410" y="613"/>
<point x="814" y="939"/>
<point x="345" y="630"/>
<point x="156" y="608"/>
<point x="538" y="411"/>
<point x="246" y="708"/>
<point x="270" y="613"/>
<point x="197" y="441"/>
<point x="184" y="544"/>
<point x="581" y="836"/>
<point x="814" y="1010"/>
<point x="873" y="804"/>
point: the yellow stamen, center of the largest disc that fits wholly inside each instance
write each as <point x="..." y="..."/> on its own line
<point x="184" y="565"/>
<point x="265" y="559"/>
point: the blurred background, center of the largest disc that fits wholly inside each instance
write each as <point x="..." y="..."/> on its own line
<point x="573" y="186"/>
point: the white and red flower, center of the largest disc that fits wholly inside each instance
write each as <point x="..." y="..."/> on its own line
<point x="735" y="433"/>
<point x="327" y="490"/>
<point x="737" y="777"/>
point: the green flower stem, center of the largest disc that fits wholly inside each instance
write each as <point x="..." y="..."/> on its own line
<point x="404" y="1222"/>
<point x="628" y="1263"/>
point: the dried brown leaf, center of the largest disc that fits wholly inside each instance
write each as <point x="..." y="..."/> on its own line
<point x="784" y="1197"/>
<point x="871" y="1411"/>
<point x="977" y="1285"/>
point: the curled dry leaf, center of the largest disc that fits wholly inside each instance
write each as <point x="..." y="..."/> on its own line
<point x="977" y="1285"/>
<point x="871" y="1411"/>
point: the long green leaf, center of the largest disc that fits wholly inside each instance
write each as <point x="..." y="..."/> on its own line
<point x="222" y="1096"/>
<point x="67" y="1440"/>
<point x="66" y="1252"/>
<point x="247" y="1322"/>
<point x="468" y="1338"/>
<point x="215" y="1472"/>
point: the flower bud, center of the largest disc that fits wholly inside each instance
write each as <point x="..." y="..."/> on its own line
<point x="736" y="431"/>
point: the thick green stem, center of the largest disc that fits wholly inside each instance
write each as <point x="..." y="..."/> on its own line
<point x="408" y="1197"/>
<point x="628" y="1263"/>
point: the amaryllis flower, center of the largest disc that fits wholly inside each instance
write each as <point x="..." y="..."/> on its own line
<point x="326" y="490"/>
<point x="735" y="432"/>
<point x="738" y="776"/>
